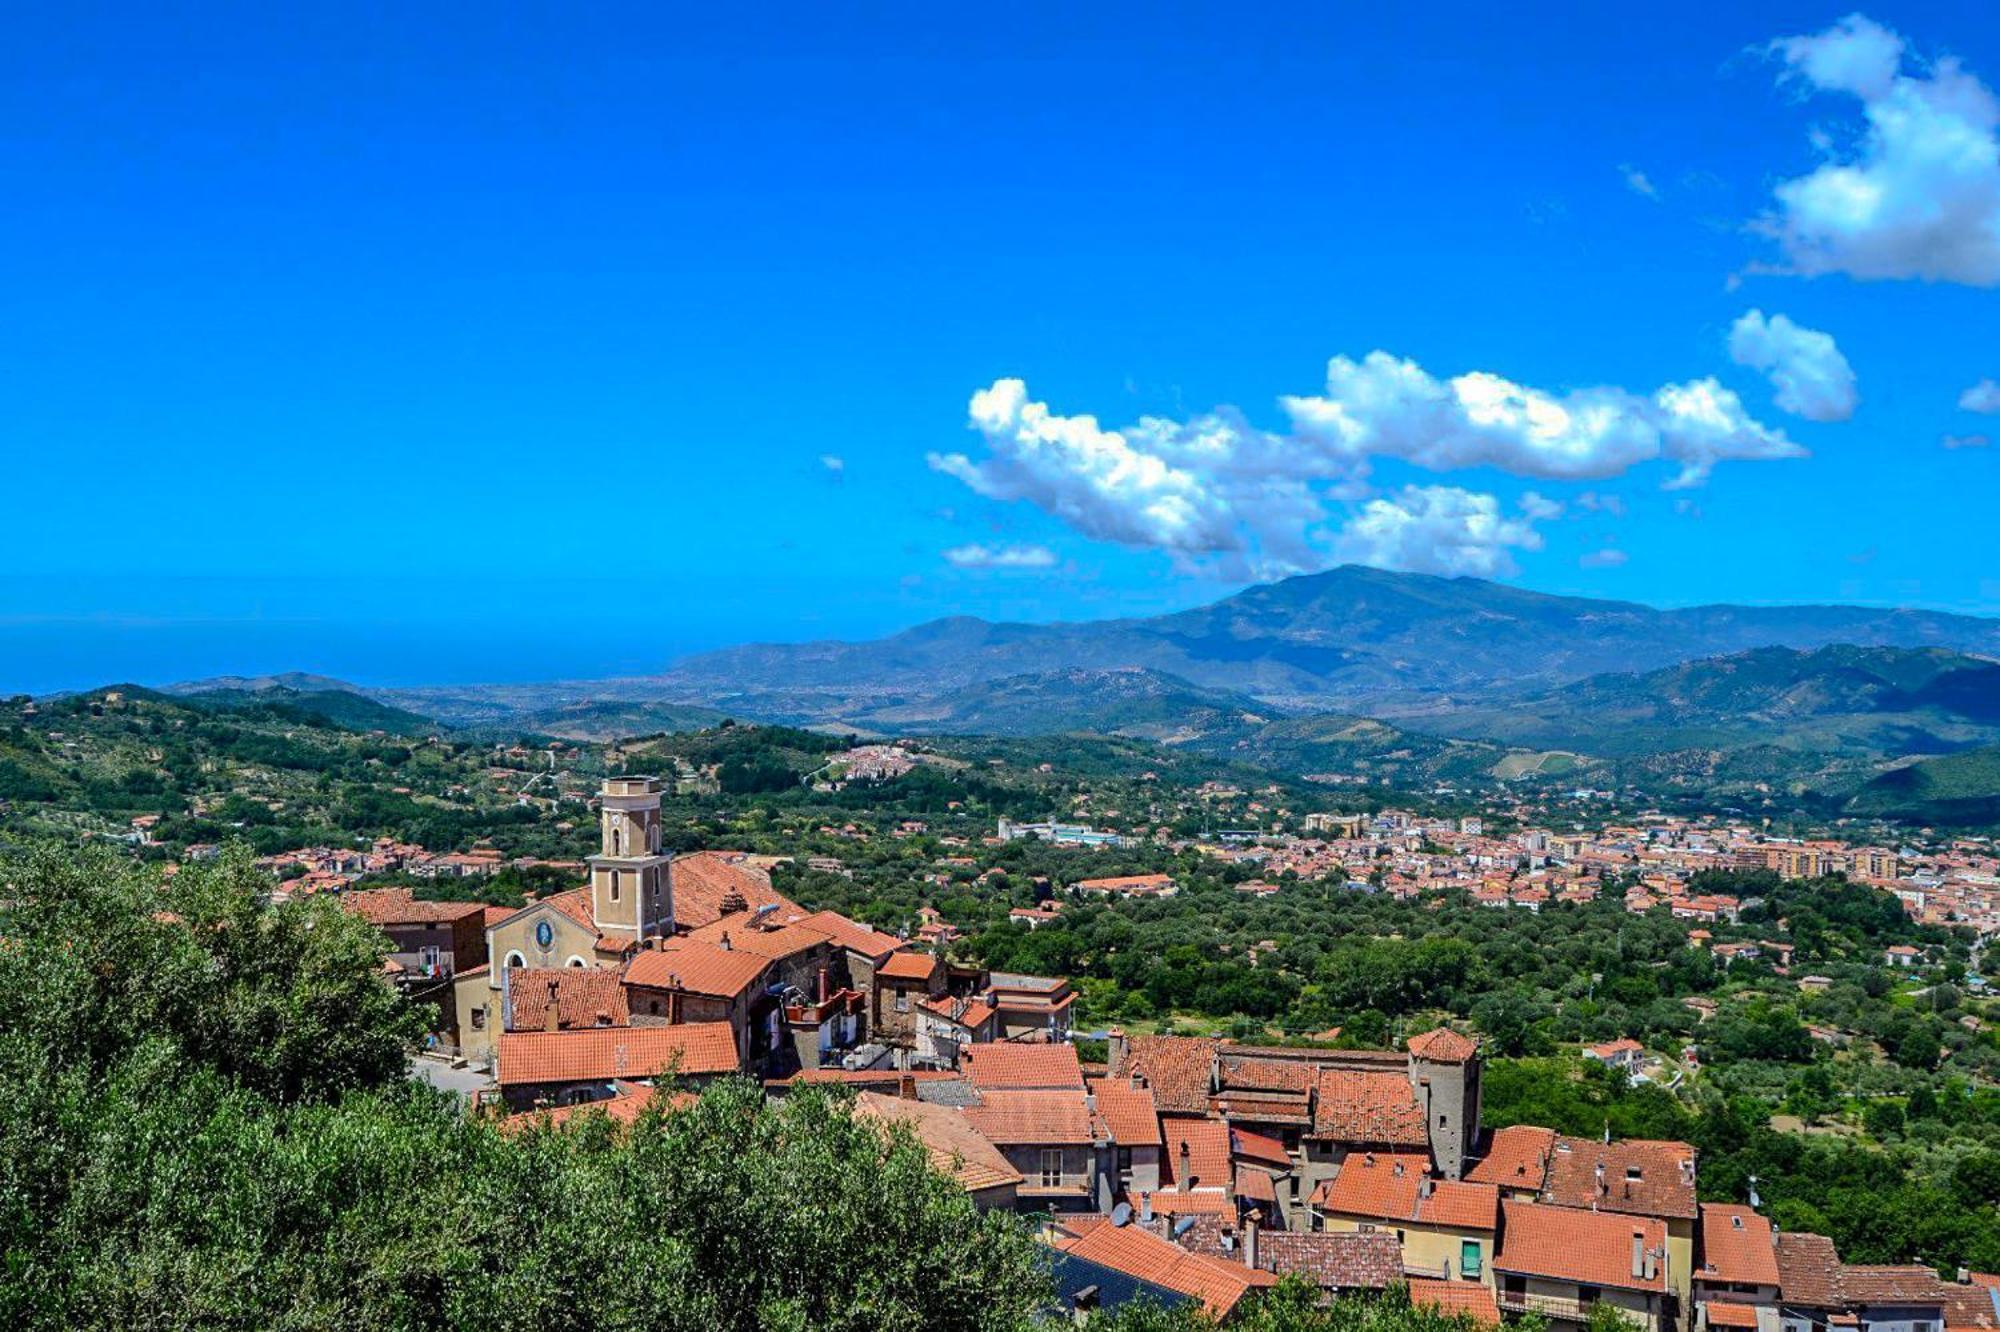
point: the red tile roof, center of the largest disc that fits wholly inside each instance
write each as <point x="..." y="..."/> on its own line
<point x="1737" y="1245"/>
<point x="767" y="936"/>
<point x="602" y="1054"/>
<point x="1029" y="1118"/>
<point x="585" y="997"/>
<point x="400" y="906"/>
<point x="1443" y="1046"/>
<point x="1197" y="1154"/>
<point x="1127" y="1112"/>
<point x="698" y="968"/>
<point x="1217" y="1284"/>
<point x="1645" y="1177"/>
<point x="1456" y="1297"/>
<point x="1179" y="1070"/>
<point x="1334" y="1261"/>
<point x="1808" y="1270"/>
<point x="955" y="1147"/>
<point x="1517" y="1157"/>
<point x="1727" y="1313"/>
<point x="852" y="935"/>
<point x="909" y="965"/>
<point x="1394" y="1188"/>
<point x="1005" y="1066"/>
<point x="705" y="880"/>
<point x="1369" y="1107"/>
<point x="625" y="1106"/>
<point x="1573" y="1244"/>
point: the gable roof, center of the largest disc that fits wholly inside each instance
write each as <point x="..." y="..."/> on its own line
<point x="1178" y="1069"/>
<point x="703" y="881"/>
<point x="401" y="906"/>
<point x="1808" y="1270"/>
<point x="1369" y="1107"/>
<point x="955" y="1147"/>
<point x="1472" y="1298"/>
<point x="1029" y="1118"/>
<point x="1007" y="1066"/>
<point x="851" y="934"/>
<point x="698" y="968"/>
<point x="1127" y="1112"/>
<point x="1517" y="1157"/>
<point x="585" y="997"/>
<point x="1572" y="1244"/>
<point x="1641" y="1176"/>
<point x="769" y="935"/>
<point x="1203" y="1144"/>
<point x="603" y="1053"/>
<point x="1133" y="1251"/>
<point x="1736" y="1245"/>
<point x="1334" y="1261"/>
<point x="909" y="965"/>
<point x="1395" y="1188"/>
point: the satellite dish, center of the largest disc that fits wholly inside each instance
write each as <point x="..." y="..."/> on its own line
<point x="1121" y="1214"/>
<point x="1183" y="1226"/>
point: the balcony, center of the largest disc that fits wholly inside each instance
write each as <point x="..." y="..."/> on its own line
<point x="1565" y="1307"/>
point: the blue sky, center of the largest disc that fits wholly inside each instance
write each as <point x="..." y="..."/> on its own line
<point x="423" y="343"/>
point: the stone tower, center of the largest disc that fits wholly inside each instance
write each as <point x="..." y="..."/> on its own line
<point x="631" y="884"/>
<point x="1444" y="1069"/>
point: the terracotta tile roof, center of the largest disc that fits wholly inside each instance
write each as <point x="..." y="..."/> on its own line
<point x="1736" y="1245"/>
<point x="1177" y="1068"/>
<point x="1369" y="1107"/>
<point x="1028" y="1118"/>
<point x="494" y="915"/>
<point x="602" y="1054"/>
<point x="1442" y="1045"/>
<point x="585" y="997"/>
<point x="1517" y="1157"/>
<point x="1572" y="1244"/>
<point x="1254" y="1074"/>
<point x="1006" y="1066"/>
<point x="1127" y="1112"/>
<point x="852" y="935"/>
<point x="1969" y="1304"/>
<point x="1333" y="1261"/>
<point x="1217" y="1284"/>
<point x="1472" y="1298"/>
<point x="746" y="931"/>
<point x="1197" y="1153"/>
<point x="399" y="906"/>
<point x="1203" y="1201"/>
<point x="1808" y="1270"/>
<point x="1256" y="1107"/>
<point x="1255" y="1184"/>
<point x="624" y="1107"/>
<point x="1889" y="1284"/>
<point x="1394" y="1188"/>
<point x="1641" y="1176"/>
<point x="698" y="968"/>
<point x="1727" y="1313"/>
<point x="970" y="1014"/>
<point x="909" y="965"/>
<point x="1259" y="1147"/>
<point x="955" y="1147"/>
<point x="704" y="880"/>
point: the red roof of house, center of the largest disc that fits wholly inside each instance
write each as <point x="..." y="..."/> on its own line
<point x="1737" y="1245"/>
<point x="601" y="1054"/>
<point x="1644" y="1176"/>
<point x="1369" y="1107"/>
<point x="399" y="906"/>
<point x="1443" y="1046"/>
<point x="1388" y="1186"/>
<point x="1574" y="1244"/>
<point x="1205" y="1163"/>
<point x="1127" y="1112"/>
<point x="705" y="884"/>
<point x="1217" y="1284"/>
<point x="1178" y="1069"/>
<point x="698" y="968"/>
<point x="955" y="1147"/>
<point x="909" y="965"/>
<point x="1030" y="1118"/>
<point x="852" y="935"/>
<point x="1517" y="1157"/>
<point x="1005" y="1066"/>
<point x="585" y="997"/>
<point x="1727" y="1313"/>
<point x="1456" y="1297"/>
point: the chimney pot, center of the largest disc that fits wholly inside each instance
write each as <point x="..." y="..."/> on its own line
<point x="1639" y="1254"/>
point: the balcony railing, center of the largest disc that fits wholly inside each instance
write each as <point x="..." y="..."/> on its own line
<point x="1566" y="1307"/>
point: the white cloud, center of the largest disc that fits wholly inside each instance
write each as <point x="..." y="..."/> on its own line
<point x="976" y="556"/>
<point x="1966" y="441"/>
<point x="833" y="462"/>
<point x="1438" y="530"/>
<point x="1601" y="502"/>
<point x="1981" y="397"/>
<point x="1812" y="378"/>
<point x="1610" y="557"/>
<point x="1918" y="196"/>
<point x="1540" y="507"/>
<point x="1385" y="407"/>
<point x="1637" y="182"/>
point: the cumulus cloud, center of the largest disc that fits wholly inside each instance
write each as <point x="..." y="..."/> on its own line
<point x="1438" y="530"/>
<point x="1918" y="194"/>
<point x="1382" y="406"/>
<point x="1812" y="378"/>
<point x="1218" y="493"/>
<point x="1981" y="397"/>
<point x="977" y="556"/>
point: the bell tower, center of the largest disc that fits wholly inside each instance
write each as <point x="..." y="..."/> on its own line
<point x="631" y="885"/>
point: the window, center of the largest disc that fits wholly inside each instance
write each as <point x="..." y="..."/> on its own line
<point x="617" y="840"/>
<point x="1052" y="1167"/>
<point x="479" y="1018"/>
<point x="1587" y="1295"/>
<point x="1124" y="1166"/>
<point x="1469" y="1264"/>
<point x="614" y="885"/>
<point x="902" y="1000"/>
<point x="575" y="961"/>
<point x="514" y="959"/>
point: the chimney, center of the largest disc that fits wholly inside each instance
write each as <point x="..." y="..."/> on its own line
<point x="551" y="1011"/>
<point x="1601" y="1190"/>
<point x="906" y="1086"/>
<point x="1250" y="1240"/>
<point x="822" y="984"/>
<point x="1145" y="1208"/>
<point x="725" y="941"/>
<point x="1639" y="1254"/>
<point x="1181" y="1174"/>
<point x="1119" y="1050"/>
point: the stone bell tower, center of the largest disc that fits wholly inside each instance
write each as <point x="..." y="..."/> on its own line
<point x="631" y="884"/>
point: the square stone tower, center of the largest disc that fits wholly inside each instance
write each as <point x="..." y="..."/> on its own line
<point x="631" y="883"/>
<point x="1444" y="1069"/>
